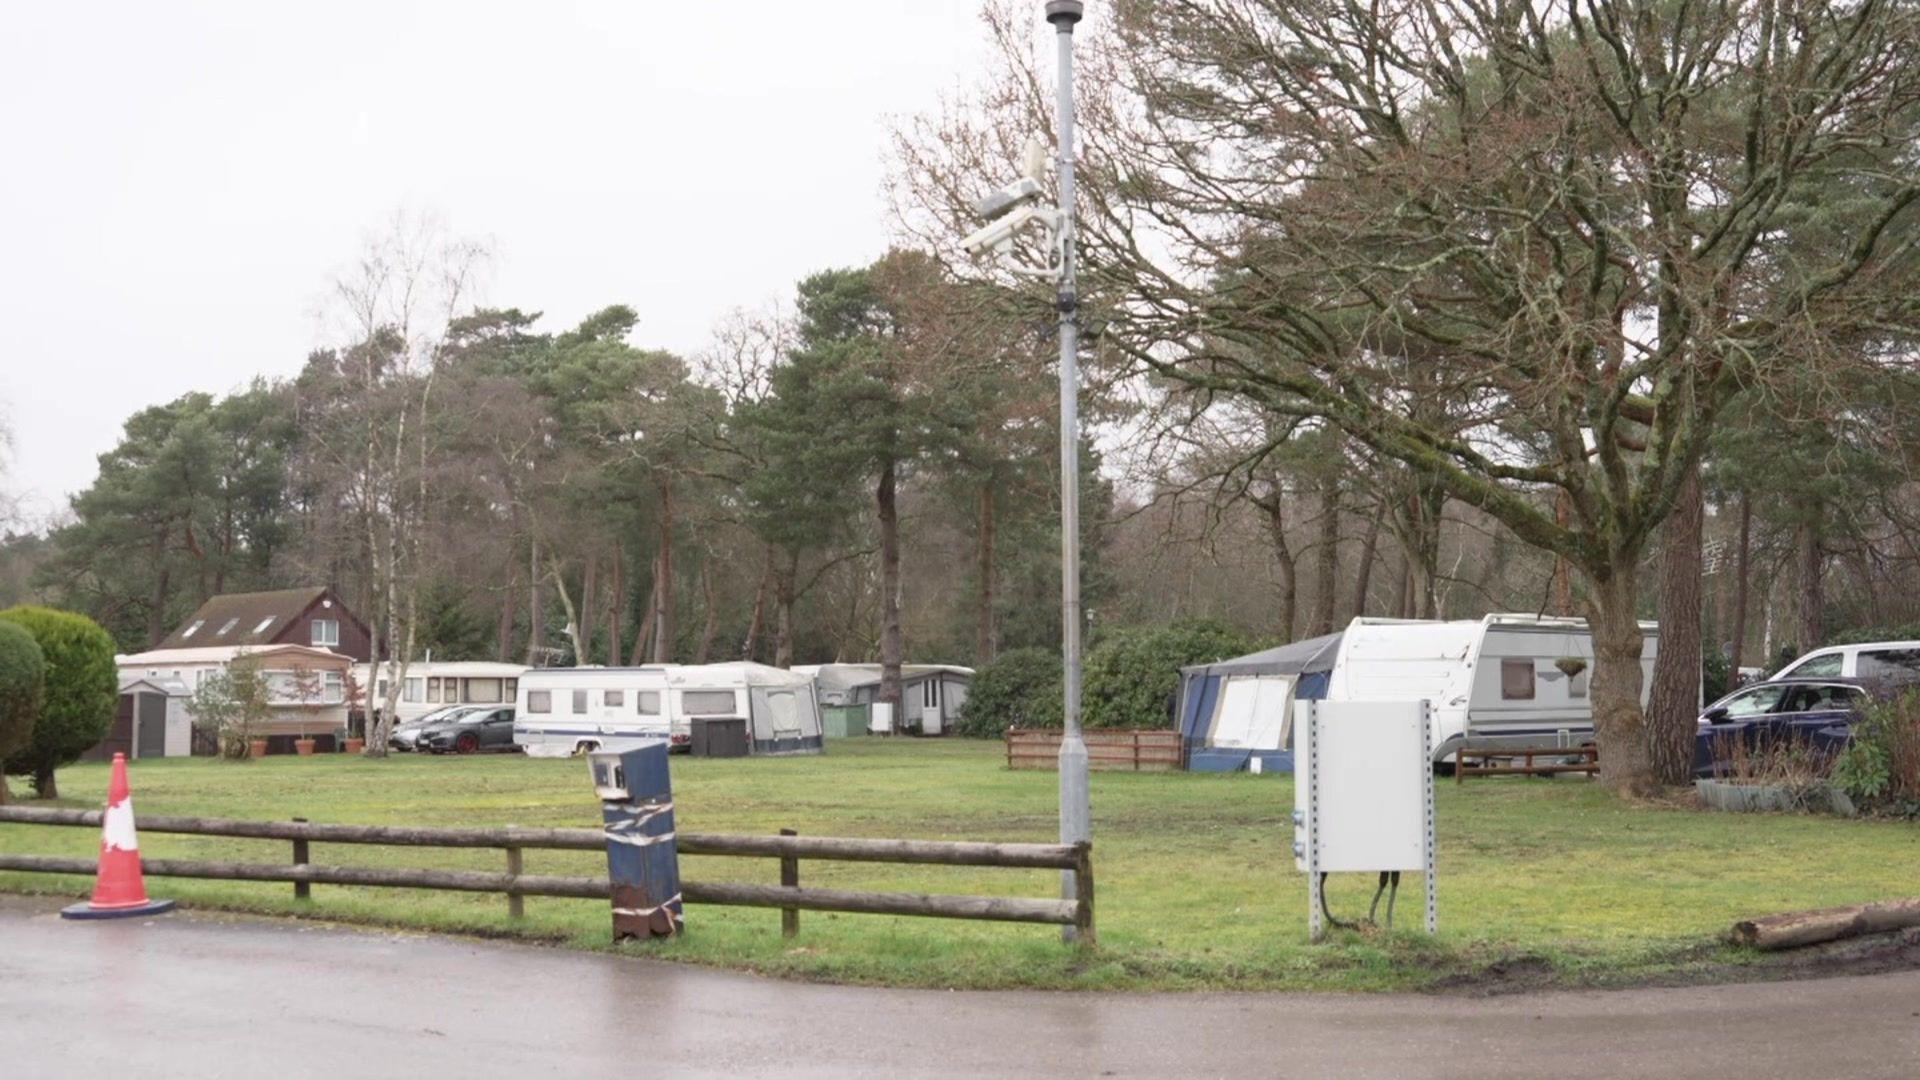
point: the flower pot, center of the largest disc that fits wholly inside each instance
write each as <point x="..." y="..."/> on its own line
<point x="257" y="748"/>
<point x="303" y="747"/>
<point x="355" y="746"/>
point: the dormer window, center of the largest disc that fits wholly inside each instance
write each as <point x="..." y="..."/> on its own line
<point x="227" y="626"/>
<point x="191" y="630"/>
<point x="262" y="628"/>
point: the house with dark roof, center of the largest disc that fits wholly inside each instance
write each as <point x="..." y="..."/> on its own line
<point x="312" y="616"/>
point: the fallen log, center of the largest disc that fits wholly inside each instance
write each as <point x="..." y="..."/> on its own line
<point x="1797" y="928"/>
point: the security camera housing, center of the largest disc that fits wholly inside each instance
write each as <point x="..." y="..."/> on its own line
<point x="998" y="236"/>
<point x="1000" y="202"/>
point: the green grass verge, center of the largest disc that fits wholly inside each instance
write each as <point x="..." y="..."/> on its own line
<point x="1196" y="886"/>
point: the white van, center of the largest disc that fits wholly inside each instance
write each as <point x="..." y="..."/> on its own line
<point x="566" y="711"/>
<point x="1896" y="662"/>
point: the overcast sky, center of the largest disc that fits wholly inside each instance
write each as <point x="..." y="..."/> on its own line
<point x="177" y="181"/>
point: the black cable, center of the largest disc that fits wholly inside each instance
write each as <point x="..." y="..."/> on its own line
<point x="1331" y="921"/>
<point x="1374" y="908"/>
<point x="1391" y="895"/>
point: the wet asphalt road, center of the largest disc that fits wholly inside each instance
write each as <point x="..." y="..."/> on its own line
<point x="201" y="996"/>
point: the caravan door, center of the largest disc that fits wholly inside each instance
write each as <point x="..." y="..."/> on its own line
<point x="1253" y="712"/>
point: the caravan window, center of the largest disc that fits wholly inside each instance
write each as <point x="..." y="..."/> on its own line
<point x="1516" y="680"/>
<point x="540" y="701"/>
<point x="613" y="699"/>
<point x="579" y="701"/>
<point x="707" y="702"/>
<point x="647" y="702"/>
<point x="413" y="689"/>
<point x="930" y="693"/>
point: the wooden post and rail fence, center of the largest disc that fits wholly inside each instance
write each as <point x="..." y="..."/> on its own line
<point x="1133" y="751"/>
<point x="789" y="896"/>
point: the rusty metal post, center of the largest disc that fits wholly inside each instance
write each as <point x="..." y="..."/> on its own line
<point x="790" y="878"/>
<point x="643" y="859"/>
<point x="516" y="903"/>
<point x="301" y="890"/>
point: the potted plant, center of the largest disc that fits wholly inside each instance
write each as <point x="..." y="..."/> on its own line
<point x="234" y="702"/>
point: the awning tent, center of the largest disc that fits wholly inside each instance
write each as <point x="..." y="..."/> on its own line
<point x="1234" y="710"/>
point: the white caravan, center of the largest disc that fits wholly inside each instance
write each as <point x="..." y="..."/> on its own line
<point x="432" y="685"/>
<point x="780" y="707"/>
<point x="1501" y="679"/>
<point x="566" y="711"/>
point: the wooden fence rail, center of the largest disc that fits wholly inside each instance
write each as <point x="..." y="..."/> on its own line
<point x="789" y="896"/>
<point x="1136" y="751"/>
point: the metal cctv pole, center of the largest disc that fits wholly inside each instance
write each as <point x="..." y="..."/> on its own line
<point x="1076" y="810"/>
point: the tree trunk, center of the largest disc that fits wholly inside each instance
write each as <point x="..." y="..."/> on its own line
<point x="3" y="789"/>
<point x="503" y="630"/>
<point x="1740" y="586"/>
<point x="619" y="601"/>
<point x="1326" y="561"/>
<point x="1275" y="509"/>
<point x="986" y="643"/>
<point x="1562" y="603"/>
<point x="891" y="646"/>
<point x="1403" y="590"/>
<point x="643" y="637"/>
<point x="1813" y="602"/>
<point x="758" y="622"/>
<point x="1673" y="707"/>
<point x="589" y="592"/>
<point x="536" y="605"/>
<point x="1618" y="723"/>
<point x="783" y="599"/>
<point x="580" y="658"/>
<point x="663" y="629"/>
<point x="1369" y="552"/>
<point x="43" y="784"/>
<point x="712" y="624"/>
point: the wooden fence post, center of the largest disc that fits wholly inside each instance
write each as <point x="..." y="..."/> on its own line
<point x="301" y="890"/>
<point x="1083" y="895"/>
<point x="789" y="877"/>
<point x="516" y="903"/>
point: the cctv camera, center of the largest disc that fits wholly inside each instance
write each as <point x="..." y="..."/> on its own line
<point x="1000" y="202"/>
<point x="998" y="236"/>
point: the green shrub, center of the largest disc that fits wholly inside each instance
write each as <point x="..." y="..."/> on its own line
<point x="1880" y="767"/>
<point x="1133" y="676"/>
<point x="23" y="676"/>
<point x="1020" y="688"/>
<point x="81" y="684"/>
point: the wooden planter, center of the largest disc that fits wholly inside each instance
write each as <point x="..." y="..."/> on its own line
<point x="257" y="748"/>
<point x="303" y="747"/>
<point x="1771" y="798"/>
<point x="355" y="746"/>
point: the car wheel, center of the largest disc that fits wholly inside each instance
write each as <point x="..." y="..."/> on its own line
<point x="467" y="743"/>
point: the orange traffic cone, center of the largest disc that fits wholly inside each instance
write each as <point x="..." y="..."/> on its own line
<point x="119" y="892"/>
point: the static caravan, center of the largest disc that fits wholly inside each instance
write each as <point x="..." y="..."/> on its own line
<point x="306" y="690"/>
<point x="435" y="684"/>
<point x="931" y="695"/>
<point x="1512" y="679"/>
<point x="779" y="706"/>
<point x="563" y="711"/>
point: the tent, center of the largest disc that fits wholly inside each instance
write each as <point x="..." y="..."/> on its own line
<point x="1234" y="711"/>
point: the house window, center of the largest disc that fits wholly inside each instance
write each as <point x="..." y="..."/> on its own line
<point x="325" y="631"/>
<point x="580" y="701"/>
<point x="262" y="628"/>
<point x="226" y="626"/>
<point x="707" y="702"/>
<point x="433" y="691"/>
<point x="1516" y="680"/>
<point x="199" y="677"/>
<point x="647" y="702"/>
<point x="613" y="699"/>
<point x="540" y="701"/>
<point x="191" y="630"/>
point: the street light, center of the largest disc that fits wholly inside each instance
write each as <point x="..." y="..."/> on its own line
<point x="1009" y="210"/>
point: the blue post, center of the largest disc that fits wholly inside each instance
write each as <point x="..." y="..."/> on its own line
<point x="643" y="861"/>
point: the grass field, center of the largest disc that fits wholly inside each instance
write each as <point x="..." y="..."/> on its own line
<point x="1196" y="886"/>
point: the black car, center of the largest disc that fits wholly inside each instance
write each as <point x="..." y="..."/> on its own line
<point x="1817" y="714"/>
<point x="482" y="729"/>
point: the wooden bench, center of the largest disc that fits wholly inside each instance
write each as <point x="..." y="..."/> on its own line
<point x="1485" y="756"/>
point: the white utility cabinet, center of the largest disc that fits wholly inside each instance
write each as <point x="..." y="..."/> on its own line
<point x="1363" y="794"/>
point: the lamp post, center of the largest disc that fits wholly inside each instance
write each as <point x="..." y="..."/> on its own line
<point x="1076" y="806"/>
